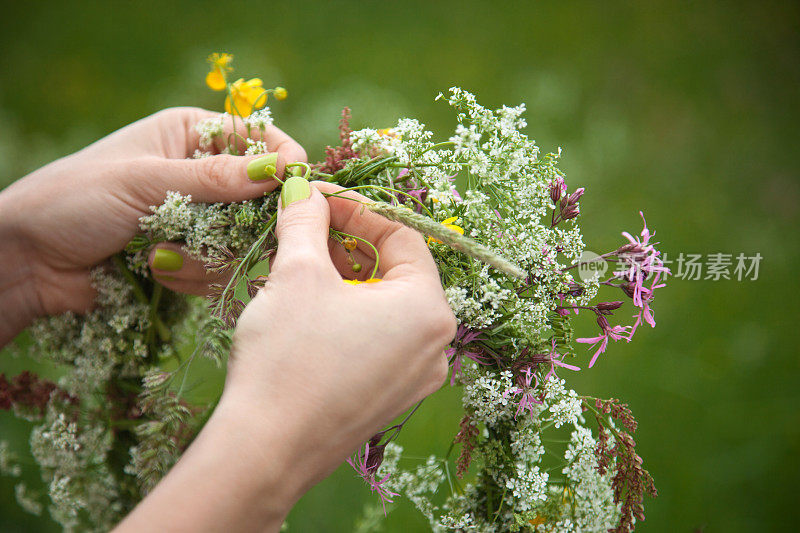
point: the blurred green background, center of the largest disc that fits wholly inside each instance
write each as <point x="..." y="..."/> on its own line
<point x="688" y="111"/>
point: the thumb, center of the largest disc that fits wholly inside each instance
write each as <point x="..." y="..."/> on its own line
<point x="218" y="178"/>
<point x="302" y="230"/>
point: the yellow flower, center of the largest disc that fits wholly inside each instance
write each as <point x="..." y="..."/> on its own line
<point x="448" y="223"/>
<point x="280" y="93"/>
<point x="247" y="97"/>
<point x="356" y="282"/>
<point x="388" y="132"/>
<point x="220" y="66"/>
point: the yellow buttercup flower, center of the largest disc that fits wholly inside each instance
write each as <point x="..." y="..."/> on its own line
<point x="357" y="282"/>
<point x="247" y="97"/>
<point x="220" y="66"/>
<point x="448" y="223"/>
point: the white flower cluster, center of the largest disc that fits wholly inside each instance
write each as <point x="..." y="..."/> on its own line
<point x="487" y="397"/>
<point x="593" y="507"/>
<point x="73" y="465"/>
<point x="506" y="206"/>
<point x="527" y="487"/>
<point x="260" y="119"/>
<point x="211" y="128"/>
<point x="203" y="227"/>
<point x="418" y="486"/>
<point x="564" y="404"/>
<point x="256" y="147"/>
<point x="72" y="445"/>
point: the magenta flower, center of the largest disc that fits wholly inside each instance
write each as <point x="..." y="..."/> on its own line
<point x="646" y="313"/>
<point x="456" y="352"/>
<point x="642" y="261"/>
<point x="528" y="399"/>
<point x="614" y="333"/>
<point x="366" y="463"/>
<point x="556" y="359"/>
<point x="527" y="380"/>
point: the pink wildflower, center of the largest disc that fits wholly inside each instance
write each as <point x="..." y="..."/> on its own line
<point x="367" y="463"/>
<point x="615" y="333"/>
<point x="456" y="352"/>
<point x="528" y="399"/>
<point x="527" y="380"/>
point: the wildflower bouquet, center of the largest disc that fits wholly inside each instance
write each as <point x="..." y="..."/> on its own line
<point x="502" y="225"/>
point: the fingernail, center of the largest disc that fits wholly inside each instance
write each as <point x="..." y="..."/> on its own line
<point x="167" y="260"/>
<point x="263" y="168"/>
<point x="295" y="188"/>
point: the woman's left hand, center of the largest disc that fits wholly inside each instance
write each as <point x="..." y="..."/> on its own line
<point x="62" y="220"/>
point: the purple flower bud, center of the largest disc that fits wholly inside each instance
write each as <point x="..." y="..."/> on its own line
<point x="557" y="188"/>
<point x="574" y="197"/>
<point x="571" y="211"/>
<point x="609" y="306"/>
<point x="603" y="323"/>
<point x="629" y="288"/>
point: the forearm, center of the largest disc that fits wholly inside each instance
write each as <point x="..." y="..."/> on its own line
<point x="242" y="473"/>
<point x="19" y="302"/>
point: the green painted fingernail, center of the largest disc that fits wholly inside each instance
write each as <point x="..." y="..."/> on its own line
<point x="295" y="188"/>
<point x="263" y="168"/>
<point x="167" y="260"/>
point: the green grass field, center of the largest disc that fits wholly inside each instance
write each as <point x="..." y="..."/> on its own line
<point x="688" y="112"/>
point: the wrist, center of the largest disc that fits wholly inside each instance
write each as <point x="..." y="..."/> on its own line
<point x="263" y="454"/>
<point x="19" y="301"/>
<point x="241" y="473"/>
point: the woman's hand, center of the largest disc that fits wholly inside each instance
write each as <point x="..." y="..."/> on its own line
<point x="318" y="366"/>
<point x="62" y="220"/>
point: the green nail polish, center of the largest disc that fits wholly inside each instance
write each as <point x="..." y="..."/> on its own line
<point x="263" y="168"/>
<point x="167" y="260"/>
<point x="295" y="188"/>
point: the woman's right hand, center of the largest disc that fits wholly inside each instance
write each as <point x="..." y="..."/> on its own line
<point x="318" y="366"/>
<point x="334" y="360"/>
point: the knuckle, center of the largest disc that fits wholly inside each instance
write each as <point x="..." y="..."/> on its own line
<point x="170" y="114"/>
<point x="215" y="172"/>
<point x="300" y="262"/>
<point x="437" y="375"/>
<point x="440" y="323"/>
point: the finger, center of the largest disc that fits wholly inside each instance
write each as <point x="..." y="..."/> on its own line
<point x="402" y="251"/>
<point x="302" y="231"/>
<point x="219" y="178"/>
<point x="235" y="132"/>
<point x="174" y="268"/>
<point x="180" y="124"/>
